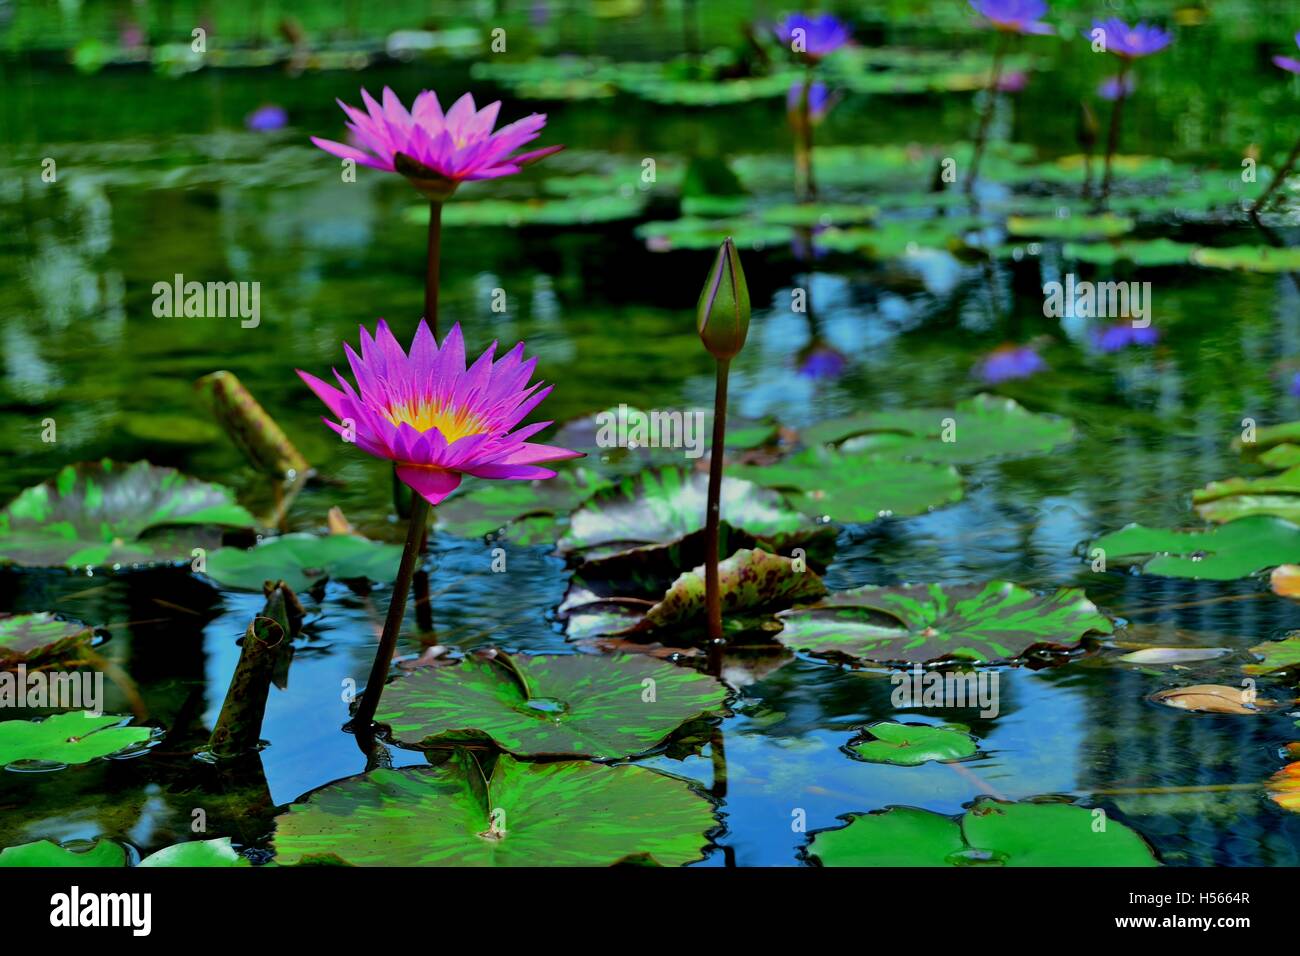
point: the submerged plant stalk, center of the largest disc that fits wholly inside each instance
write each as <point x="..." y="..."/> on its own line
<point x="808" y="183"/>
<point x="1112" y="138"/>
<point x="396" y="612"/>
<point x="433" y="266"/>
<point x="1281" y="175"/>
<point x="986" y="117"/>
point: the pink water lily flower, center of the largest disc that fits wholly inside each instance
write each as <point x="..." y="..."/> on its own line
<point x="437" y="151"/>
<point x="433" y="417"/>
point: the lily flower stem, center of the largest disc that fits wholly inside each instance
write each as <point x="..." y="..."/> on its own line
<point x="1112" y="138"/>
<point x="432" y="267"/>
<point x="1282" y="174"/>
<point x="986" y="117"/>
<point x="712" y="593"/>
<point x="806" y="138"/>
<point x="365" y="713"/>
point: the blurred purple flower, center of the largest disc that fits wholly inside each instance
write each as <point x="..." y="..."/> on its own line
<point x="819" y="100"/>
<point x="1013" y="82"/>
<point x="1111" y="87"/>
<point x="1287" y="63"/>
<point x="1013" y="16"/>
<point x="813" y="37"/>
<point x="267" y="119"/>
<point x="1112" y="338"/>
<point x="1294" y="388"/>
<point x="820" y="361"/>
<point x="1131" y="42"/>
<point x="1009" y="362"/>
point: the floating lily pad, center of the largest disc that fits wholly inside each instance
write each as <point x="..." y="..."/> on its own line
<point x="1233" y="550"/>
<point x="206" y="853"/>
<point x="1069" y="227"/>
<point x="549" y="705"/>
<point x="894" y="238"/>
<point x="817" y="214"/>
<point x="992" y="832"/>
<point x="861" y="487"/>
<point x="1232" y="498"/>
<point x="1249" y="258"/>
<point x="71" y="738"/>
<point x="910" y="745"/>
<point x="512" y="213"/>
<point x="518" y="814"/>
<point x="660" y="510"/>
<point x="32" y="637"/>
<point x="1276" y="655"/>
<point x="1140" y="252"/>
<point x="926" y="623"/>
<point x="691" y="232"/>
<point x="499" y="506"/>
<point x="1281" y="456"/>
<point x="106" y="513"/>
<point x="302" y="560"/>
<point x="43" y="853"/>
<point x="978" y="429"/>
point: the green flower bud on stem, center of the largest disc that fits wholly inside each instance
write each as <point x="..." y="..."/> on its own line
<point x="722" y="315"/>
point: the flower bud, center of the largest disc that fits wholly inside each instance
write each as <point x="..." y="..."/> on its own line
<point x="722" y="315"/>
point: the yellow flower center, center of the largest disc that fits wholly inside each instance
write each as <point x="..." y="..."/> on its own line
<point x="454" y="423"/>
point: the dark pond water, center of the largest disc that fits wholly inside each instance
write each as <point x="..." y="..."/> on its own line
<point x="158" y="176"/>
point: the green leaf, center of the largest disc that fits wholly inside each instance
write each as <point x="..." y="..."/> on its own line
<point x="72" y="738"/>
<point x="302" y="560"/>
<point x="1276" y="655"/>
<point x="910" y="745"/>
<point x="204" y="853"/>
<point x="549" y="705"/>
<point x="1249" y="258"/>
<point x="1233" y="550"/>
<point x="1069" y="227"/>
<point x="106" y="513"/>
<point x="499" y="506"/>
<point x="513" y="213"/>
<point x="1232" y="498"/>
<point x="25" y="638"/>
<point x="992" y="832"/>
<point x="550" y="814"/>
<point x="978" y="429"/>
<point x="1140" y="252"/>
<point x="43" y="853"/>
<point x="658" y="510"/>
<point x="926" y="623"/>
<point x="691" y="232"/>
<point x="848" y="488"/>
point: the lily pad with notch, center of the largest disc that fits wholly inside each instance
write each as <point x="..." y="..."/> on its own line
<point x="549" y="704"/>
<point x="910" y="745"/>
<point x="69" y="738"/>
<point x="991" y="623"/>
<point x="476" y="811"/>
<point x="303" y="561"/>
<point x="1274" y="656"/>
<point x="1233" y="550"/>
<point x="109" y="514"/>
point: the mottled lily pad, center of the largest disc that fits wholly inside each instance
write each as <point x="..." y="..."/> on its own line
<point x="1070" y="227"/>
<point x="1276" y="655"/>
<point x="844" y="487"/>
<point x="992" y="832"/>
<point x="501" y="506"/>
<point x="43" y="853"/>
<point x="549" y="705"/>
<point x="910" y="745"/>
<point x="1249" y="258"/>
<point x="926" y="623"/>
<point x="97" y="514"/>
<point x="25" y="638"/>
<point x="71" y="738"/>
<point x="569" y="813"/>
<point x="977" y="429"/>
<point x="1233" y="550"/>
<point x="661" y="510"/>
<point x="302" y="560"/>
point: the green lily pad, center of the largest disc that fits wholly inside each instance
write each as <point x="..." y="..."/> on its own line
<point x="32" y="637"/>
<point x="894" y="238"/>
<point x="989" y="623"/>
<point x="825" y="482"/>
<point x="979" y="429"/>
<point x="1276" y="655"/>
<point x="499" y="506"/>
<point x="538" y="211"/>
<point x="302" y="560"/>
<point x="663" y="510"/>
<point x="106" y="513"/>
<point x="206" y="853"/>
<point x="549" y="705"/>
<point x="570" y="813"/>
<point x="1282" y="456"/>
<point x="1232" y="498"/>
<point x="992" y="832"/>
<point x="691" y="232"/>
<point x="1249" y="258"/>
<point x="910" y="745"/>
<point x="1105" y="225"/>
<point x="1140" y="252"/>
<point x="164" y="429"/>
<point x="1233" y="550"/>
<point x="72" y="738"/>
<point x="43" y="853"/>
<point x="817" y="214"/>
